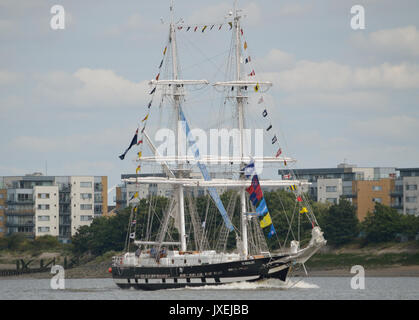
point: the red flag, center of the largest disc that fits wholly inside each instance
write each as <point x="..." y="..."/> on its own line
<point x="299" y="199"/>
<point x="278" y="153"/>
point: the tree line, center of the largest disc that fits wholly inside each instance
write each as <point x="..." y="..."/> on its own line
<point x="338" y="222"/>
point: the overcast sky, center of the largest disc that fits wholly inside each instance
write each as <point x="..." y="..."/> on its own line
<point x="72" y="97"/>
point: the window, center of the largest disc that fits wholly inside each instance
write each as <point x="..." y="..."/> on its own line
<point x="43" y="218"/>
<point x="379" y="200"/>
<point x="43" y="206"/>
<point x="411" y="187"/>
<point x="85" y="196"/>
<point x="377" y="188"/>
<point x="411" y="199"/>
<point x="411" y="211"/>
<point x="1" y="195"/>
<point x="43" y="195"/>
<point x="86" y="218"/>
<point x="86" y="207"/>
<point x="332" y="200"/>
<point x="85" y="184"/>
<point x="331" y="188"/>
<point x="1" y="207"/>
<point x="43" y="229"/>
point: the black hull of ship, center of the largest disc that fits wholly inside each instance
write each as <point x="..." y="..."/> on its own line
<point x="156" y="278"/>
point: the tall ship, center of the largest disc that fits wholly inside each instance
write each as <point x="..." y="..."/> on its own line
<point x="182" y="242"/>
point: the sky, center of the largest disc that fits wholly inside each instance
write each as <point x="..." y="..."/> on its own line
<point x="70" y="99"/>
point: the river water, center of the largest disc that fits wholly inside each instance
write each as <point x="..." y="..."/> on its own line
<point x="325" y="288"/>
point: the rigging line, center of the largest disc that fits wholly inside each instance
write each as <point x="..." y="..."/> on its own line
<point x="208" y="59"/>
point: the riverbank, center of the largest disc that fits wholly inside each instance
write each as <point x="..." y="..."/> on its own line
<point x="383" y="260"/>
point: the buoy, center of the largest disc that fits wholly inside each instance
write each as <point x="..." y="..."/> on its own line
<point x="110" y="270"/>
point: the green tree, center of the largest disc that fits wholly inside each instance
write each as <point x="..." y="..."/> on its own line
<point x="340" y="224"/>
<point x="382" y="225"/>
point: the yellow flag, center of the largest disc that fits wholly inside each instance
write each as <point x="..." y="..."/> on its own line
<point x="136" y="195"/>
<point x="266" y="221"/>
<point x="146" y="117"/>
<point x="203" y="29"/>
<point x="164" y="52"/>
<point x="303" y="210"/>
<point x="139" y="154"/>
<point x="138" y="169"/>
<point x="257" y="87"/>
<point x="245" y="45"/>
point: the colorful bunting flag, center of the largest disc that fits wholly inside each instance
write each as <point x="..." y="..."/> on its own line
<point x="266" y="221"/>
<point x="231" y="25"/>
<point x="133" y="142"/>
<point x="158" y="76"/>
<point x="274" y="139"/>
<point x="164" y="51"/>
<point x="135" y="195"/>
<point x="278" y="153"/>
<point x="154" y="90"/>
<point x="249" y="169"/>
<point x="262" y="208"/>
<point x="195" y="29"/>
<point x="139" y="154"/>
<point x="251" y="74"/>
<point x="304" y="210"/>
<point x="245" y="45"/>
<point x="264" y="113"/>
<point x="286" y="176"/>
<point x="140" y="142"/>
<point x="299" y="199"/>
<point x="257" y="87"/>
<point x="269" y="128"/>
<point x="271" y="232"/>
<point x="146" y="117"/>
<point x="138" y="169"/>
<point x="203" y="29"/>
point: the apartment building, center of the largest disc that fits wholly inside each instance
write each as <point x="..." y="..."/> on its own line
<point x="363" y="187"/>
<point x="38" y="205"/>
<point x="368" y="192"/>
<point x="3" y="197"/>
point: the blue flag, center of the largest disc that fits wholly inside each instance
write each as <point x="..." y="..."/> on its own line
<point x="262" y="208"/>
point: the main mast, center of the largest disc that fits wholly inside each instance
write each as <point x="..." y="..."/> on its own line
<point x="176" y="105"/>
<point x="240" y="112"/>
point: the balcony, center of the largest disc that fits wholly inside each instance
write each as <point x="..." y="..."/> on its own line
<point x="19" y="212"/>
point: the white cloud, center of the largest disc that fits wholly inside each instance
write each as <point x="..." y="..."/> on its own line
<point x="8" y="78"/>
<point x="90" y="88"/>
<point x="294" y="9"/>
<point x="110" y="137"/>
<point x="332" y="76"/>
<point x="136" y="24"/>
<point x="403" y="41"/>
<point x="276" y="60"/>
<point x="400" y="127"/>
